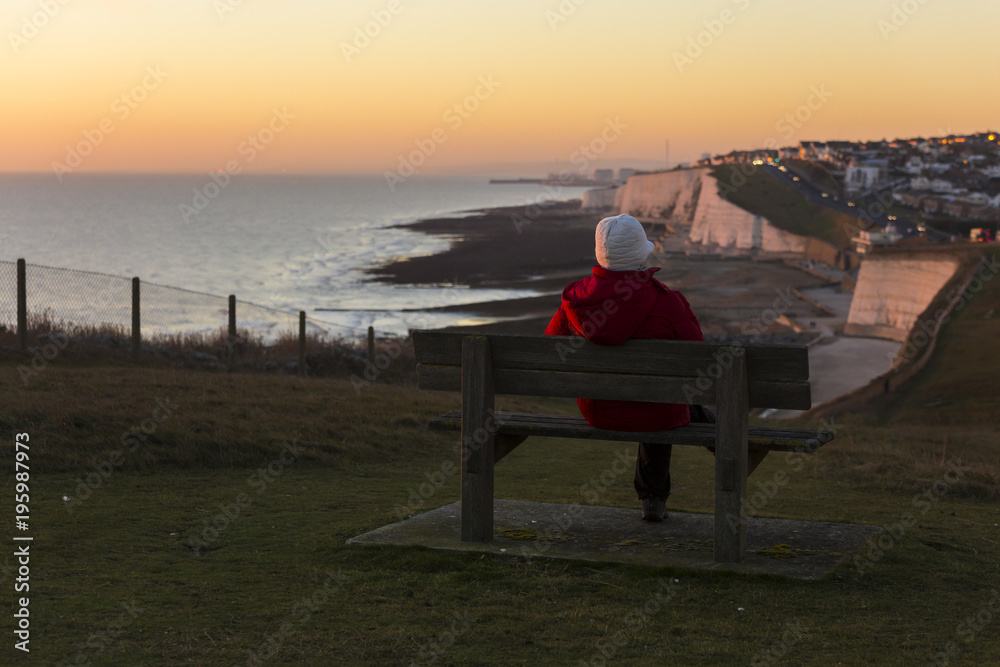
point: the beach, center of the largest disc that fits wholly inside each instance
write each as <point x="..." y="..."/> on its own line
<point x="744" y="299"/>
<point x="732" y="297"/>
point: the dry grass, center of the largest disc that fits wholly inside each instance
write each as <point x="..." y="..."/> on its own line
<point x="325" y="357"/>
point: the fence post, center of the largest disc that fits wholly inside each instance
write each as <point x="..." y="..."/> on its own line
<point x="136" y="335"/>
<point x="302" y="343"/>
<point x="371" y="345"/>
<point x="231" y="341"/>
<point x="22" y="306"/>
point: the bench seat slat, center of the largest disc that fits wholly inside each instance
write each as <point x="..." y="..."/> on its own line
<point x="637" y="356"/>
<point x="617" y="386"/>
<point x="556" y="426"/>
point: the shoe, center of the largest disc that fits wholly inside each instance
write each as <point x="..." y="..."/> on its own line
<point x="654" y="509"/>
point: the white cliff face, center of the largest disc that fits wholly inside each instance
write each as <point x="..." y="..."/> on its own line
<point x="670" y="196"/>
<point x="892" y="291"/>
<point x="691" y="196"/>
<point x="599" y="199"/>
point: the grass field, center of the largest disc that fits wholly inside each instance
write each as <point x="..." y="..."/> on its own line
<point x="185" y="516"/>
<point x="206" y="544"/>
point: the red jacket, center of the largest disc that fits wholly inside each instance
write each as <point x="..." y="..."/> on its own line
<point x="610" y="307"/>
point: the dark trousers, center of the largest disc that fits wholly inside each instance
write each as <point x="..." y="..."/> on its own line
<point x="652" y="465"/>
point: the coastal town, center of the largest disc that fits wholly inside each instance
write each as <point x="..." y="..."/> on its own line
<point x="947" y="178"/>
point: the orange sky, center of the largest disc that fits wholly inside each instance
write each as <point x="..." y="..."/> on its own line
<point x="557" y="70"/>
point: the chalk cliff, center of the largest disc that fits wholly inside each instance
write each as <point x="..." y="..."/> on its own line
<point x="691" y="197"/>
<point x="599" y="199"/>
<point x="892" y="291"/>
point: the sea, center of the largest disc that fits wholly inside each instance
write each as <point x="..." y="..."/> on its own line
<point x="287" y="242"/>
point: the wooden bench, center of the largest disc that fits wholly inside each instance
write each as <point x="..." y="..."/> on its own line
<point x="734" y="378"/>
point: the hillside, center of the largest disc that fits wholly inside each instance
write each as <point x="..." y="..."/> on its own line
<point x="960" y="386"/>
<point x="106" y="533"/>
<point x="783" y="207"/>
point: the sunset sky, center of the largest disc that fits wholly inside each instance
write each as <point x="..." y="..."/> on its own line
<point x="201" y="76"/>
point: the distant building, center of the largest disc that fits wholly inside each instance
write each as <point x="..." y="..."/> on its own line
<point x="940" y="185"/>
<point x="865" y="241"/>
<point x="860" y="178"/>
<point x="914" y="166"/>
<point x="624" y="174"/>
<point x="604" y="175"/>
<point x="814" y="150"/>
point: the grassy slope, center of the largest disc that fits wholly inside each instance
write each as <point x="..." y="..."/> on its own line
<point x="816" y="173"/>
<point x="363" y="453"/>
<point x="961" y="384"/>
<point x="784" y="207"/>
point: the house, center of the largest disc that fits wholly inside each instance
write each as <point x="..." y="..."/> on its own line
<point x="920" y="183"/>
<point x="931" y="204"/>
<point x="981" y="213"/>
<point x="814" y="150"/>
<point x="604" y="175"/>
<point x="914" y="166"/>
<point x="860" y="178"/>
<point x="866" y="240"/>
<point x="939" y="185"/>
<point x="955" y="209"/>
<point x="908" y="199"/>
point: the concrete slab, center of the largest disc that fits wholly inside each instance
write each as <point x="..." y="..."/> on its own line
<point x="796" y="549"/>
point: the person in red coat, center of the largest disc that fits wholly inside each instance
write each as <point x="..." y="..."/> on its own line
<point x="623" y="300"/>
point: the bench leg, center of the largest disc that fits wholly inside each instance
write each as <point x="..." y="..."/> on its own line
<point x="731" y="460"/>
<point x="478" y="439"/>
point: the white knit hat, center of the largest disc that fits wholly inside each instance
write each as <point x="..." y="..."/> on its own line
<point x="621" y="244"/>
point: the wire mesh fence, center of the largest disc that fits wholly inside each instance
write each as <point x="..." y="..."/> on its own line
<point x="8" y="295"/>
<point x="74" y="300"/>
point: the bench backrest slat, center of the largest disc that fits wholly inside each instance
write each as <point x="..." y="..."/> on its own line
<point x="644" y="370"/>
<point x="612" y="386"/>
<point x="783" y="363"/>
